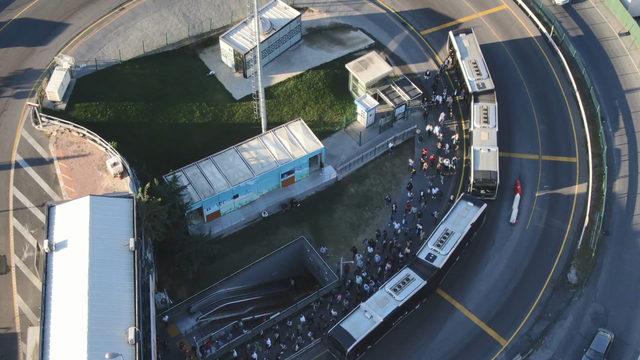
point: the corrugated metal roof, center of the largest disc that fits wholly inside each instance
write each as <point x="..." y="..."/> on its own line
<point x="369" y="68"/>
<point x="246" y="160"/>
<point x="89" y="292"/>
<point x="273" y="16"/>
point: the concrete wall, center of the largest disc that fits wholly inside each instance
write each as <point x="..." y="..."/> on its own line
<point x="156" y="25"/>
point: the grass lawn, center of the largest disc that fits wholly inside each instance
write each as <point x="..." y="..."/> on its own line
<point x="338" y="217"/>
<point x="163" y="112"/>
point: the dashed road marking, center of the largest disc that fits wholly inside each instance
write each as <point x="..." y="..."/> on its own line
<point x="29" y="205"/>
<point x="25" y="233"/>
<point x="464" y="19"/>
<point x="538" y="157"/>
<point x="28" y="273"/>
<point x="43" y="184"/>
<point x="27" y="311"/>
<point x="35" y="144"/>
<point x="481" y="324"/>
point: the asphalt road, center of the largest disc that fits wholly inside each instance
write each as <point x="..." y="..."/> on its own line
<point x="610" y="298"/>
<point x="502" y="274"/>
<point x="27" y="45"/>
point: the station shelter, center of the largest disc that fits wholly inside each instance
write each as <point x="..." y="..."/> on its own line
<point x="280" y="28"/>
<point x="366" y="73"/>
<point x="234" y="177"/>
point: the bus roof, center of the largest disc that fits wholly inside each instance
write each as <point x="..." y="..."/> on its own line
<point x="451" y="230"/>
<point x="484" y="114"/>
<point x="471" y="61"/>
<point x="371" y="313"/>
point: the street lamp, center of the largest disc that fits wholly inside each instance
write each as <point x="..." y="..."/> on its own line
<point x="113" y="355"/>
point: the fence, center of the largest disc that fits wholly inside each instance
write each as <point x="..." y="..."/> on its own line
<point x="43" y="121"/>
<point x="629" y="23"/>
<point x="354" y="164"/>
<point x="563" y="39"/>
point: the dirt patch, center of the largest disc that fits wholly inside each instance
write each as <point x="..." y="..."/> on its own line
<point x="81" y="167"/>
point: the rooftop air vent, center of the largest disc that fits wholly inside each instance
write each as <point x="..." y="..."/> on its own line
<point x="443" y="239"/>
<point x="402" y="284"/>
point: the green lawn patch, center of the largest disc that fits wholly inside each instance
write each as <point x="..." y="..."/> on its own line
<point x="164" y="112"/>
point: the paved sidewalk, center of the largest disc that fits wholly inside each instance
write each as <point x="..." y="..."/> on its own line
<point x="613" y="64"/>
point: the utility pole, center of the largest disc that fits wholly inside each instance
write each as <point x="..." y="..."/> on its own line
<point x="257" y="68"/>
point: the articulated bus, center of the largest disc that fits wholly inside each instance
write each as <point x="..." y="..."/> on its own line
<point x="468" y="59"/>
<point x="405" y="291"/>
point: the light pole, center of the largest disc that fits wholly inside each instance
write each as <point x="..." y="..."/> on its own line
<point x="113" y="355"/>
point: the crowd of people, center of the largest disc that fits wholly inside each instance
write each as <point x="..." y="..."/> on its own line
<point x="392" y="245"/>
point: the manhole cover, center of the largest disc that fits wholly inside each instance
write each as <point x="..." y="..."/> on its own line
<point x="4" y="266"/>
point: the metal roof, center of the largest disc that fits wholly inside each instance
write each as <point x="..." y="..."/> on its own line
<point x="485" y="158"/>
<point x="471" y="60"/>
<point x="369" y="68"/>
<point x="450" y="231"/>
<point x="273" y="16"/>
<point x="245" y="161"/>
<point x="369" y="314"/>
<point x="89" y="287"/>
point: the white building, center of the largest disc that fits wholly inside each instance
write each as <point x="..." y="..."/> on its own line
<point x="90" y="287"/>
<point x="367" y="72"/>
<point x="280" y="28"/>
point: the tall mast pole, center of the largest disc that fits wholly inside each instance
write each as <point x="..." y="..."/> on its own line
<point x="257" y="68"/>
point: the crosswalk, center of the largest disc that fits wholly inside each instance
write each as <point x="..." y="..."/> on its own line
<point x="35" y="184"/>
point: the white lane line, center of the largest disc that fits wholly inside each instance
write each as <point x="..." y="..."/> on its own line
<point x="25" y="269"/>
<point x="43" y="184"/>
<point x="27" y="235"/>
<point x="35" y="144"/>
<point x="34" y="209"/>
<point x="26" y="310"/>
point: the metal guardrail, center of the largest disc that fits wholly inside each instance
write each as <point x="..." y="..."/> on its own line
<point x="383" y="147"/>
<point x="43" y="121"/>
<point x="558" y="33"/>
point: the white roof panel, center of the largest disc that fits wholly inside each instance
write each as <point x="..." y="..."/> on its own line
<point x="289" y="141"/>
<point x="273" y="15"/>
<point x="257" y="156"/>
<point x="276" y="148"/>
<point x="369" y="68"/>
<point x="89" y="292"/>
<point x="198" y="181"/>
<point x="232" y="166"/>
<point x="214" y="175"/>
<point x="305" y="136"/>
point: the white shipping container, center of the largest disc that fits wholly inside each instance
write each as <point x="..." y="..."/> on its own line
<point x="58" y="84"/>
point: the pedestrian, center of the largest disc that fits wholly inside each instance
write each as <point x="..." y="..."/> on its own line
<point x="387" y="200"/>
<point x="435" y="214"/>
<point x="377" y="258"/>
<point x="452" y="198"/>
<point x="427" y="75"/>
<point x="268" y="343"/>
<point x="410" y="162"/>
<point x="394" y="208"/>
<point x="302" y="319"/>
<point x="254" y="356"/>
<point x="366" y="288"/>
<point x="409" y="185"/>
<point x="323" y="250"/>
<point x="441" y="117"/>
<point x="234" y="353"/>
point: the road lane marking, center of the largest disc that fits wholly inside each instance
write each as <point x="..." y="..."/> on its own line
<point x="43" y="184"/>
<point x="29" y="205"/>
<point x="27" y="235"/>
<point x="25" y="269"/>
<point x="481" y="324"/>
<point x="18" y="15"/>
<point x="464" y="19"/>
<point x="35" y="145"/>
<point x="575" y="195"/>
<point x="570" y="159"/>
<point x="26" y="310"/>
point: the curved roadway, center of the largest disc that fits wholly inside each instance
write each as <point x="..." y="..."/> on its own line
<point x="505" y="274"/>
<point x="501" y="277"/>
